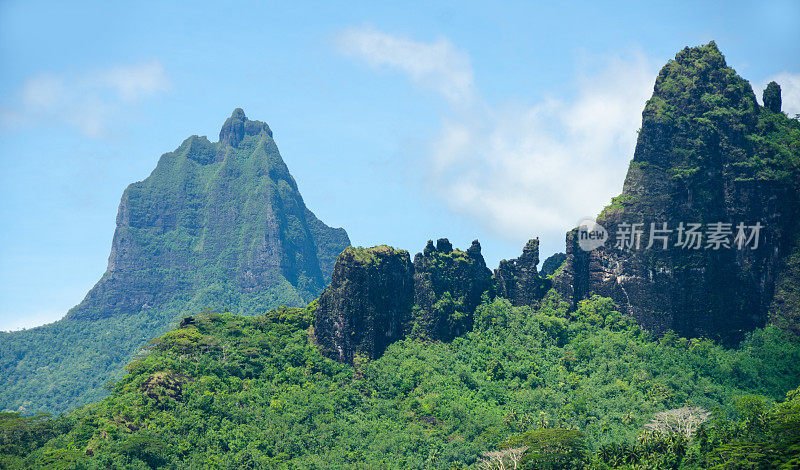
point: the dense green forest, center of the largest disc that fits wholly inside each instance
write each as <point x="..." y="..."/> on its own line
<point x="563" y="389"/>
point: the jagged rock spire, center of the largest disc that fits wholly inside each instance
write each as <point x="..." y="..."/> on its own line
<point x="377" y="296"/>
<point x="772" y="97"/>
<point x="518" y="279"/>
<point x="237" y="127"/>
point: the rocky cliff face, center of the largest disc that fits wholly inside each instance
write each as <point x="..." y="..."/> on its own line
<point x="377" y="296"/>
<point x="706" y="153"/>
<point x="368" y="304"/>
<point x="448" y="285"/>
<point x="518" y="279"/>
<point x="216" y="219"/>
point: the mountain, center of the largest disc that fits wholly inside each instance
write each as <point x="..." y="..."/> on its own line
<point x="442" y="364"/>
<point x="707" y="153"/>
<point x="216" y="225"/>
<point x="216" y="218"/>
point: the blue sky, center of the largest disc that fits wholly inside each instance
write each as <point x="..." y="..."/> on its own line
<point x="399" y="122"/>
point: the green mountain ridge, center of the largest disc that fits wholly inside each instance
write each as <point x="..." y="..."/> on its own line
<point x="215" y="225"/>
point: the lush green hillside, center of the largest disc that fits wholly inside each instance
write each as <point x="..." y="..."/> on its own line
<point x="227" y="391"/>
<point x="215" y="225"/>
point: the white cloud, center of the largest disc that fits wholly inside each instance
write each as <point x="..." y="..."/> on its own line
<point x="133" y="82"/>
<point x="524" y="170"/>
<point x="436" y="65"/>
<point x="536" y="170"/>
<point x="87" y="101"/>
<point x="43" y="92"/>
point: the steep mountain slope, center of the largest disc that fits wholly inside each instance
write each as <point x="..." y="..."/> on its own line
<point x="216" y="217"/>
<point x="215" y="225"/>
<point x="707" y="153"/>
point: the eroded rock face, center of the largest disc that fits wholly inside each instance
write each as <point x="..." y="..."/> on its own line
<point x="237" y="127"/>
<point x="706" y="153"/>
<point x="220" y="222"/>
<point x="377" y="296"/>
<point x="448" y="285"/>
<point x="518" y="279"/>
<point x="367" y="305"/>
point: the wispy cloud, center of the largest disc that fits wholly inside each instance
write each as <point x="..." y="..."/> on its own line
<point x="86" y="101"/>
<point x="437" y="65"/>
<point x="133" y="82"/>
<point x="527" y="170"/>
<point x="524" y="170"/>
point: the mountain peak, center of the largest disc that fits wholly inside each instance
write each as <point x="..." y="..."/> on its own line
<point x="244" y="216"/>
<point x="698" y="83"/>
<point x="694" y="69"/>
<point x="706" y="152"/>
<point x="710" y="52"/>
<point x="237" y="127"/>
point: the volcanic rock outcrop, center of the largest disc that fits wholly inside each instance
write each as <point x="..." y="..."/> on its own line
<point x="707" y="153"/>
<point x="448" y="285"/>
<point x="518" y="279"/>
<point x="552" y="263"/>
<point x="377" y="296"/>
<point x="368" y="304"/>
